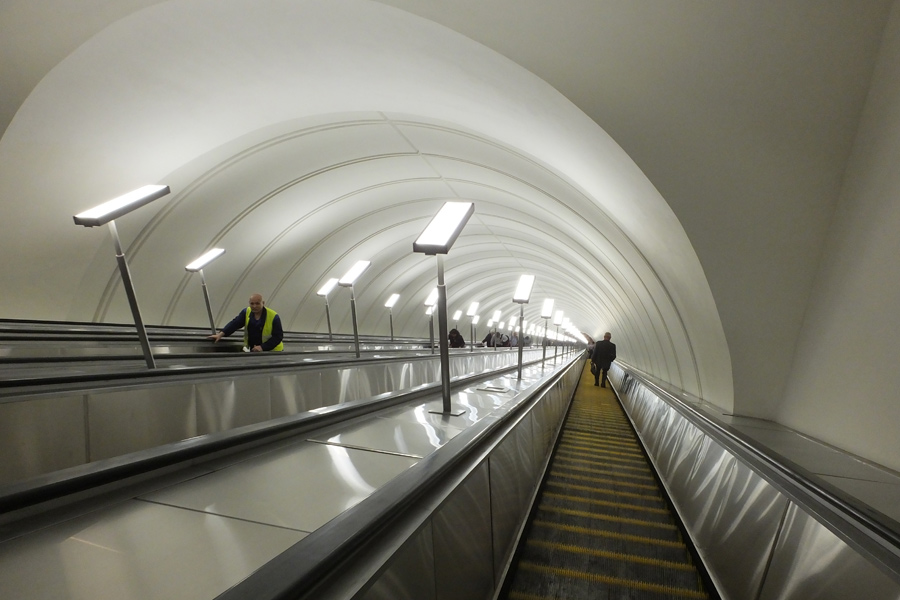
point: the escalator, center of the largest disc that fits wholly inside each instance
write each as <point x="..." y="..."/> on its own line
<point x="601" y="527"/>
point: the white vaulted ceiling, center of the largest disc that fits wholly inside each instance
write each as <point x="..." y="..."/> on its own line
<point x="302" y="136"/>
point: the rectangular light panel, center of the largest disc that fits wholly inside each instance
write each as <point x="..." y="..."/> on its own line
<point x="106" y="212"/>
<point x="354" y="273"/>
<point x="205" y="260"/>
<point x="329" y="285"/>
<point x="444" y="228"/>
<point x="523" y="290"/>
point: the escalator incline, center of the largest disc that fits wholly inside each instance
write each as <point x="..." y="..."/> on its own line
<point x="602" y="527"/>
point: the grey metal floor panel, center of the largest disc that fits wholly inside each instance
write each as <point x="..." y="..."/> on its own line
<point x="138" y="551"/>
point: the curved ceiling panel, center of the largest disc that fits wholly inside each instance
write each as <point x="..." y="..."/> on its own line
<point x="301" y="149"/>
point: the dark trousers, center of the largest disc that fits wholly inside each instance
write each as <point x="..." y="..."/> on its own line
<point x="602" y="373"/>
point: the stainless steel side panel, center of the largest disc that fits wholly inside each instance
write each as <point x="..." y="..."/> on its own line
<point x="398" y="375"/>
<point x="371" y="380"/>
<point x="41" y="435"/>
<point x="421" y="372"/>
<point x="670" y="453"/>
<point x="513" y="479"/>
<point x="812" y="562"/>
<point x="409" y="574"/>
<point x="338" y="386"/>
<point x="462" y="541"/>
<point x="294" y="393"/>
<point x="126" y="421"/>
<point x="224" y="405"/>
<point x="734" y="516"/>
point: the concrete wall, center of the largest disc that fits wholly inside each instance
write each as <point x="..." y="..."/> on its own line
<point x="843" y="386"/>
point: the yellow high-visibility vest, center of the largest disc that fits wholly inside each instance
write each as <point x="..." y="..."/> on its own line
<point x="267" y="328"/>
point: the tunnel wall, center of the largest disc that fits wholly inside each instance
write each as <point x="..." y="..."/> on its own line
<point x="844" y="379"/>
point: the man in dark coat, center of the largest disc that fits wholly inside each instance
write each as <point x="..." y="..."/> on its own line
<point x="603" y="356"/>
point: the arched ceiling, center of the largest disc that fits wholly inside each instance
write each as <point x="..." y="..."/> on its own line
<point x="302" y="136"/>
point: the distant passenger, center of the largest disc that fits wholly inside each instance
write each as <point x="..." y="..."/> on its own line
<point x="456" y="340"/>
<point x="514" y="340"/>
<point x="261" y="325"/>
<point x="603" y="356"/>
<point x="488" y="340"/>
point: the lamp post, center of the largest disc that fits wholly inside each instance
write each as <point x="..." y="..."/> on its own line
<point x="347" y="281"/>
<point x="324" y="291"/>
<point x="471" y="313"/>
<point x="390" y="306"/>
<point x="197" y="267"/>
<point x="521" y="297"/>
<point x="108" y="212"/>
<point x="430" y="301"/>
<point x="496" y="319"/>
<point x="546" y="313"/>
<point x="557" y="321"/>
<point x="437" y="239"/>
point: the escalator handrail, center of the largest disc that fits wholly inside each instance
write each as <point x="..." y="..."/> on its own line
<point x="87" y="381"/>
<point x="857" y="523"/>
<point x="92" y="476"/>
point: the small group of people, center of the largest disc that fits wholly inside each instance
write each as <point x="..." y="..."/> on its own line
<point x="602" y="357"/>
<point x="495" y="339"/>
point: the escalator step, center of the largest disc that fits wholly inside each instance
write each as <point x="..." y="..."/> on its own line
<point x="602" y="527"/>
<point x="545" y="582"/>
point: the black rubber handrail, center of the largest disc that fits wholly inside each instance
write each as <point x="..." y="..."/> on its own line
<point x="65" y="383"/>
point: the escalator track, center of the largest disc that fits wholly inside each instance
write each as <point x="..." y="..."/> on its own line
<point x="601" y="527"/>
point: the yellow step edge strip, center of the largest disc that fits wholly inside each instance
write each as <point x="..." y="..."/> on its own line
<point x="633" y="450"/>
<point x="602" y="450"/>
<point x="579" y="464"/>
<point x="583" y="423"/>
<point x="611" y="478"/>
<point x="595" y="434"/>
<point x="628" y="446"/>
<point x="608" y="504"/>
<point x="619" y="556"/>
<point x="585" y="429"/>
<point x="603" y="458"/>
<point x="669" y="590"/>
<point x="628" y="457"/>
<point x="641" y="467"/>
<point x="607" y="429"/>
<point x="566" y="485"/>
<point x="614" y="535"/>
<point x="521" y="596"/>
<point x="589" y="515"/>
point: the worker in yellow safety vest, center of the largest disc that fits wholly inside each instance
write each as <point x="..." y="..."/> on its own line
<point x="261" y="325"/>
